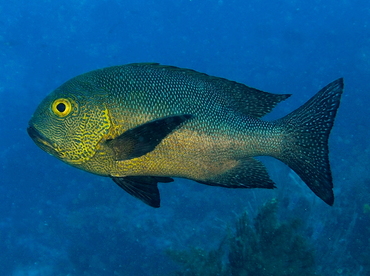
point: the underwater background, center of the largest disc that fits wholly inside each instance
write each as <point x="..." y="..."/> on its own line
<point x="57" y="220"/>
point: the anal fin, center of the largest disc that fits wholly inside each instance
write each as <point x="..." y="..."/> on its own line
<point x="249" y="173"/>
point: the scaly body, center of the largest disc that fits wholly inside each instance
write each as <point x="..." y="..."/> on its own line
<point x="145" y="123"/>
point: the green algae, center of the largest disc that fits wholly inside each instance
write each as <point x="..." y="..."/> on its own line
<point x="263" y="246"/>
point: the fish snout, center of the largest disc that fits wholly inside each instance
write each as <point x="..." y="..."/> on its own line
<point x="41" y="141"/>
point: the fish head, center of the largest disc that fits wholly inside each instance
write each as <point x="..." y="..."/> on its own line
<point x="71" y="122"/>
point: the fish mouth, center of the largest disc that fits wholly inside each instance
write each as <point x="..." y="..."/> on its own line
<point x="41" y="141"/>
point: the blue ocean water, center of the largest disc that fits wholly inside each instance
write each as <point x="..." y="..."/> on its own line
<point x="57" y="220"/>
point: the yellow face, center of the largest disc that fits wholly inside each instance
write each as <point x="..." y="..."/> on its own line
<point x="70" y="124"/>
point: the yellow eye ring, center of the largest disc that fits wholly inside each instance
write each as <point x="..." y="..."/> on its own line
<point x="61" y="107"/>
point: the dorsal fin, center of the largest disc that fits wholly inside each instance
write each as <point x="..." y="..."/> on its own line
<point x="237" y="96"/>
<point x="254" y="102"/>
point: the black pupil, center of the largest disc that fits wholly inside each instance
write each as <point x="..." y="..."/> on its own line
<point x="61" y="107"/>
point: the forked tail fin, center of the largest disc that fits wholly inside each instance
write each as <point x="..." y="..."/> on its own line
<point x="305" y="147"/>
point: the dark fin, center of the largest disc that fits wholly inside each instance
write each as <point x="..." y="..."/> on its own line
<point x="144" y="138"/>
<point x="237" y="96"/>
<point x="249" y="173"/>
<point x="305" y="148"/>
<point x="254" y="102"/>
<point x="143" y="187"/>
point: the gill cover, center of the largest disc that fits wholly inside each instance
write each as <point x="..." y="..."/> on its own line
<point x="85" y="127"/>
<point x="72" y="123"/>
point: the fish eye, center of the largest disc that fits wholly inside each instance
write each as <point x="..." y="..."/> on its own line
<point x="61" y="107"/>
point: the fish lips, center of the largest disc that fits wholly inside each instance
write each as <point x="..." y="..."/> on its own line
<point x="41" y="141"/>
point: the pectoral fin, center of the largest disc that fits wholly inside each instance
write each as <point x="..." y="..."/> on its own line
<point x="142" y="139"/>
<point x="143" y="187"/>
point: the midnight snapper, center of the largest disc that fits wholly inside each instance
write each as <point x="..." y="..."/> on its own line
<point x="145" y="123"/>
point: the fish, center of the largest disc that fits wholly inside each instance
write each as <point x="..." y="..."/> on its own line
<point x="141" y="124"/>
